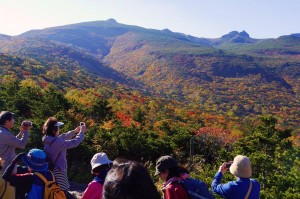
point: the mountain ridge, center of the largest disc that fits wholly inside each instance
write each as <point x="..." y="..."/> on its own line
<point x="174" y="65"/>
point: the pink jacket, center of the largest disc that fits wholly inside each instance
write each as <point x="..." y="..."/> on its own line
<point x="93" y="191"/>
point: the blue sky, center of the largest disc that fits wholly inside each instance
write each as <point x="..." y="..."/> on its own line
<point x="201" y="18"/>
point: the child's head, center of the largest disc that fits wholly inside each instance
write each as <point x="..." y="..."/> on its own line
<point x="35" y="159"/>
<point x="100" y="163"/>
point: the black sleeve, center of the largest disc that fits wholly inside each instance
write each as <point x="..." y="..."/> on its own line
<point x="20" y="181"/>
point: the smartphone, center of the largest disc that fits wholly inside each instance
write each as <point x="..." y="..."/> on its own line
<point x="228" y="164"/>
<point x="82" y="124"/>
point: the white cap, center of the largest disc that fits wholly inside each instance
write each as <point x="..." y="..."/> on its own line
<point x="99" y="159"/>
<point x="59" y="124"/>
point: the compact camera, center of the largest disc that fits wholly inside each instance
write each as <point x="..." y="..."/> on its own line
<point x="82" y="124"/>
<point x="27" y="123"/>
<point x="228" y="164"/>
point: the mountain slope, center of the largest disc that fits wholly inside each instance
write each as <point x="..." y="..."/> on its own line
<point x="235" y="75"/>
<point x="60" y="58"/>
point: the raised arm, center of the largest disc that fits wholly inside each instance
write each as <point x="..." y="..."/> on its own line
<point x="70" y="134"/>
<point x="217" y="187"/>
<point x="16" y="142"/>
<point x="74" y="142"/>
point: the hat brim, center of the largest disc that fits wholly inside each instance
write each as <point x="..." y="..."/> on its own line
<point x="59" y="124"/>
<point x="102" y="163"/>
<point x="34" y="166"/>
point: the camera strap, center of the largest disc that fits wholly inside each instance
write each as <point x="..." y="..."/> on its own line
<point x="249" y="190"/>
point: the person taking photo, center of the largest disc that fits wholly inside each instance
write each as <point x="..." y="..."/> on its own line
<point x="243" y="187"/>
<point x="8" y="145"/>
<point x="55" y="147"/>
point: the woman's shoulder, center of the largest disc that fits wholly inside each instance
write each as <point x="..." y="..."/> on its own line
<point x="49" y="140"/>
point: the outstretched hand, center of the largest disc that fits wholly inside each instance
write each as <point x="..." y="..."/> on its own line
<point x="25" y="126"/>
<point x="80" y="129"/>
<point x="77" y="130"/>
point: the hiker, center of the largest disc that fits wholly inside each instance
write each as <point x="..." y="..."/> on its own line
<point x="55" y="147"/>
<point x="243" y="187"/>
<point x="29" y="185"/>
<point x="168" y="171"/>
<point x="177" y="182"/>
<point x="128" y="179"/>
<point x="8" y="144"/>
<point x="100" y="167"/>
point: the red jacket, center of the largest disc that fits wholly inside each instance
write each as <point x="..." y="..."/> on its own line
<point x="173" y="190"/>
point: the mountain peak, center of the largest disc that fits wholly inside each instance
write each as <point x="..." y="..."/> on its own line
<point x="111" y="20"/>
<point x="234" y="34"/>
<point x="167" y="30"/>
<point x="244" y="34"/>
<point x="237" y="37"/>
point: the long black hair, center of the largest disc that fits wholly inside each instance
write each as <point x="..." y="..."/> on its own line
<point x="176" y="171"/>
<point x="129" y="180"/>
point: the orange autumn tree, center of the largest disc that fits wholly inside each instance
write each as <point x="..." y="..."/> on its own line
<point x="209" y="142"/>
<point x="224" y="135"/>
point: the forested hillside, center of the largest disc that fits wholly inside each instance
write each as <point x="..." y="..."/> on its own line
<point x="234" y="75"/>
<point x="125" y="123"/>
<point x="145" y="93"/>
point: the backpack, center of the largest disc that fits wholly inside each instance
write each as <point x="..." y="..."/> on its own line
<point x="4" y="189"/>
<point x="196" y="189"/>
<point x="51" y="189"/>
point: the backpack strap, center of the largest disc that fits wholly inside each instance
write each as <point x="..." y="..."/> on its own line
<point x="4" y="189"/>
<point x="249" y="190"/>
<point x="43" y="178"/>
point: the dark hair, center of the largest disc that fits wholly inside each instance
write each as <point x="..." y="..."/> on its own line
<point x="176" y="171"/>
<point x="4" y="116"/>
<point x="49" y="127"/>
<point x="101" y="168"/>
<point x="129" y="180"/>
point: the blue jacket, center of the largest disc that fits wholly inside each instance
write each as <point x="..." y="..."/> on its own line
<point x="235" y="189"/>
